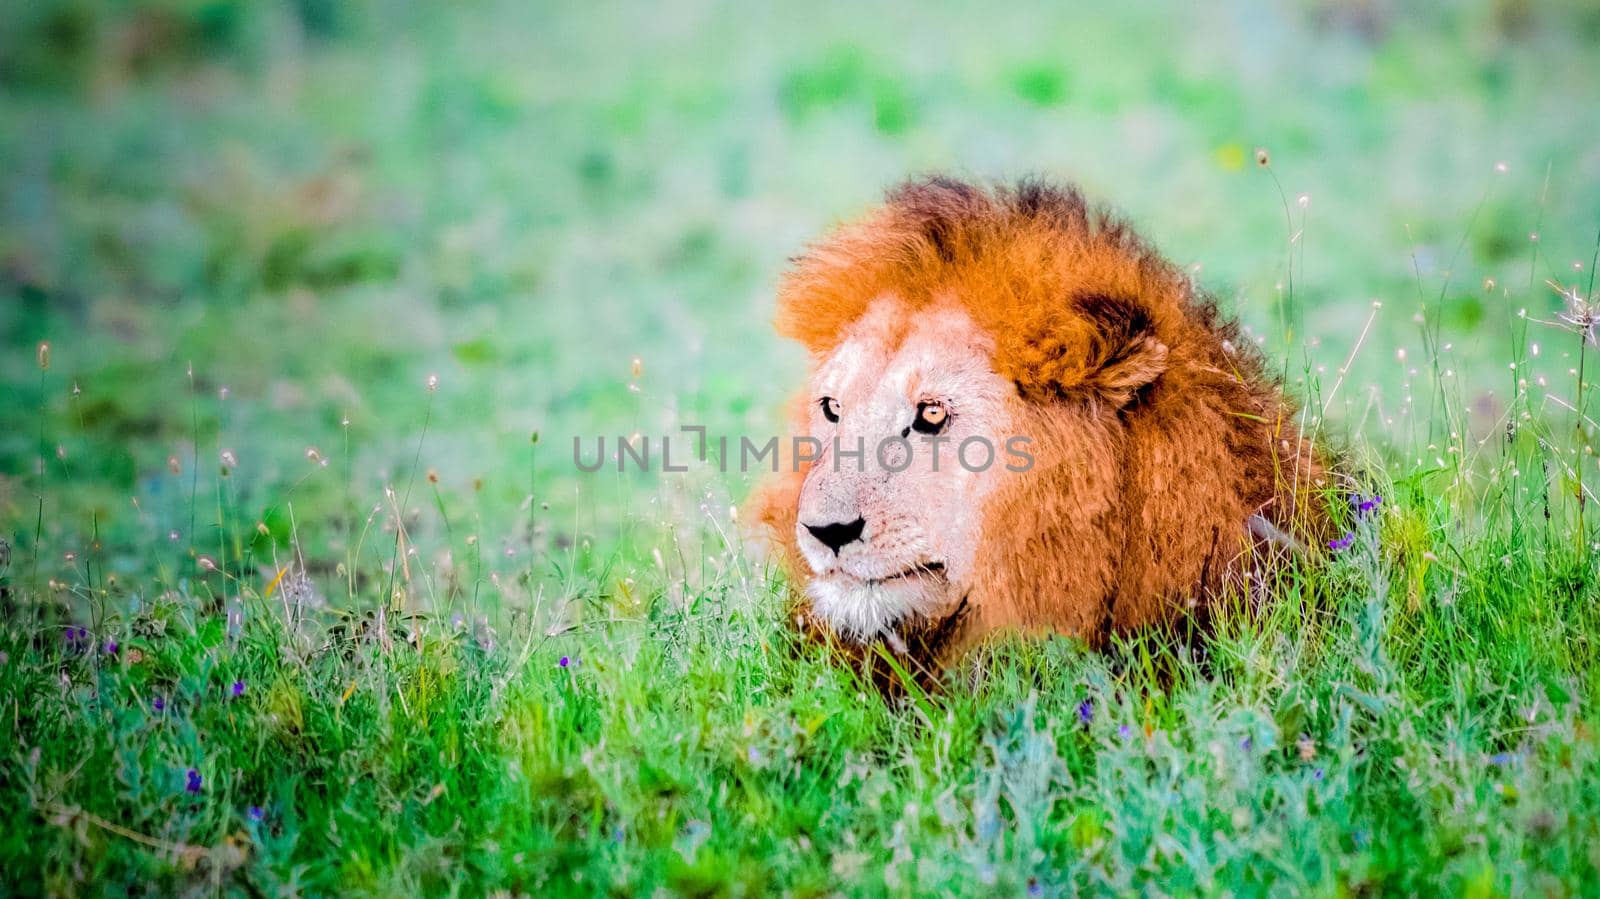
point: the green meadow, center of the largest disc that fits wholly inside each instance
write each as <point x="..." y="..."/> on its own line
<point x="302" y="305"/>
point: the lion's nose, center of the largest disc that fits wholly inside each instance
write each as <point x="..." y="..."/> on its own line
<point x="835" y="536"/>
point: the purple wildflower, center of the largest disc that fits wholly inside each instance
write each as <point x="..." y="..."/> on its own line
<point x="1368" y="505"/>
<point x="1342" y="543"/>
<point x="564" y="662"/>
<point x="1086" y="711"/>
<point x="193" y="784"/>
<point x="1034" y="888"/>
<point x="255" y="813"/>
<point x="110" y="647"/>
<point x="238" y="688"/>
<point x="1246" y="743"/>
<point x="1317" y="774"/>
<point x="159" y="704"/>
<point x="1124" y="731"/>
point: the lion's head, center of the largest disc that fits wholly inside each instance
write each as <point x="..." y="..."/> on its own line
<point x="1022" y="418"/>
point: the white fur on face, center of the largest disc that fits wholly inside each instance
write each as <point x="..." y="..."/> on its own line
<point x="915" y="553"/>
<point x="862" y="610"/>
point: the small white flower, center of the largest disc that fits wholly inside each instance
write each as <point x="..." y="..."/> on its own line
<point x="1582" y="313"/>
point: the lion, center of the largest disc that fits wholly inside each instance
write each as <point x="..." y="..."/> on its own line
<point x="1141" y="456"/>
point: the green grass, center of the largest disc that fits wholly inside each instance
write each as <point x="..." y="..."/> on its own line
<point x="250" y="233"/>
<point x="1345" y="738"/>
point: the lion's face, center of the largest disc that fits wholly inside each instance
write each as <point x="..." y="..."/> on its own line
<point x="891" y="534"/>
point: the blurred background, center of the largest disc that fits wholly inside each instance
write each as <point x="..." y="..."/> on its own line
<point x="250" y="233"/>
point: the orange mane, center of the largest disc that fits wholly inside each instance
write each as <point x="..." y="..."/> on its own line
<point x="1022" y="261"/>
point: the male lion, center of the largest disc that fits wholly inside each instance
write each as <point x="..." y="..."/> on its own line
<point x="1165" y="459"/>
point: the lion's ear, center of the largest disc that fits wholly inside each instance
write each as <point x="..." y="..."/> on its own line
<point x="1099" y="344"/>
<point x="1126" y="354"/>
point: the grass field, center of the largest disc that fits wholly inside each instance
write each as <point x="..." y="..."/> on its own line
<point x="302" y="305"/>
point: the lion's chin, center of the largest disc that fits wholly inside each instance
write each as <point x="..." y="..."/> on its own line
<point x="862" y="610"/>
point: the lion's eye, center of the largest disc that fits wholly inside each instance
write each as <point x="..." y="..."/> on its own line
<point x="830" y="408"/>
<point x="931" y="418"/>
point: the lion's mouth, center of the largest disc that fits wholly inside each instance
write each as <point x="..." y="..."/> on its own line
<point x="926" y="569"/>
<point x="864" y="607"/>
